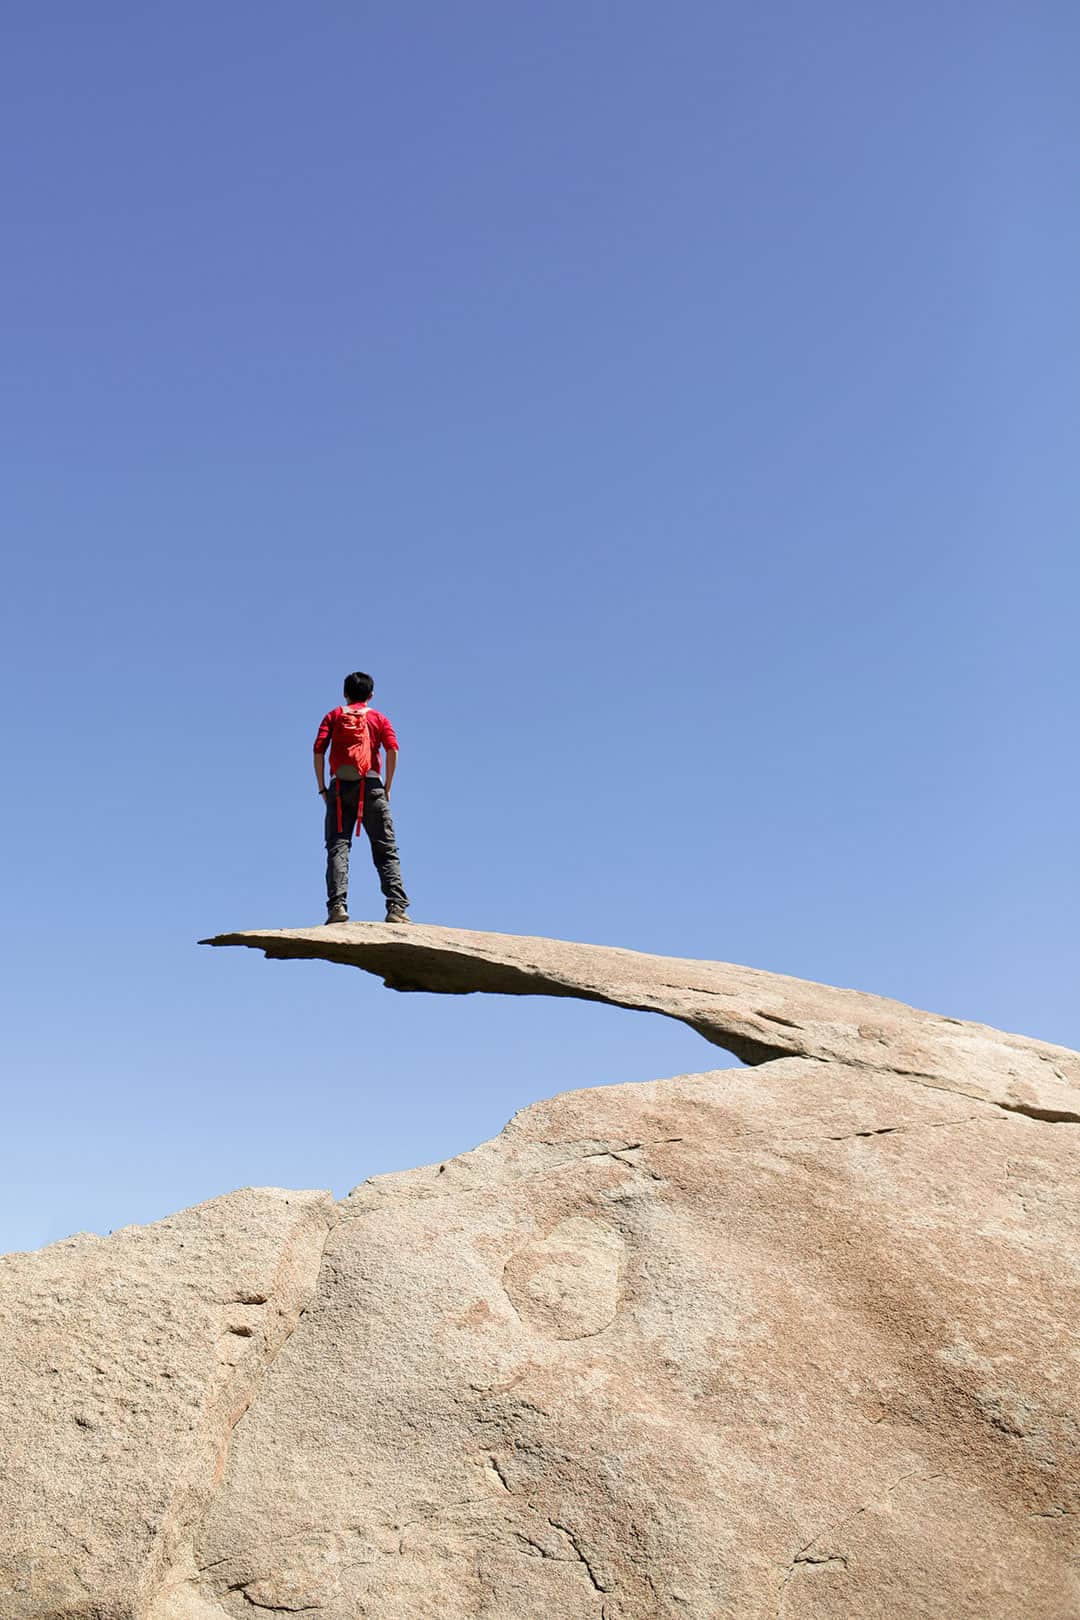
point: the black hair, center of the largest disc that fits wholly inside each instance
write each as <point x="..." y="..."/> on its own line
<point x="358" y="687"/>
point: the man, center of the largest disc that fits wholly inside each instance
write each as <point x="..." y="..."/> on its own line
<point x="357" y="796"/>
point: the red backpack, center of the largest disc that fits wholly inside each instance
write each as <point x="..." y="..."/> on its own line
<point x="355" y="739"/>
<point x="352" y="742"/>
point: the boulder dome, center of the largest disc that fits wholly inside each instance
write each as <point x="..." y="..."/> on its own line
<point x="794" y="1341"/>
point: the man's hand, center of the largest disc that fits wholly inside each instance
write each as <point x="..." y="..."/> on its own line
<point x="320" y="773"/>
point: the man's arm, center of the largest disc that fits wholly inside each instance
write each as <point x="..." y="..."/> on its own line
<point x="322" y="743"/>
<point x="388" y="740"/>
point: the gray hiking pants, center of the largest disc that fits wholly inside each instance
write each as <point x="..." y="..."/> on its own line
<point x="341" y="806"/>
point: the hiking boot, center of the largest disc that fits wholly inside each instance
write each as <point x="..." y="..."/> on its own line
<point x="397" y="914"/>
<point x="337" y="913"/>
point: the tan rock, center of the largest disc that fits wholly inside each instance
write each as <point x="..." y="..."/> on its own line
<point x="125" y="1362"/>
<point x="792" y="1342"/>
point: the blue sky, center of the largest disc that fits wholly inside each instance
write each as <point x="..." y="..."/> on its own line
<point x="674" y="407"/>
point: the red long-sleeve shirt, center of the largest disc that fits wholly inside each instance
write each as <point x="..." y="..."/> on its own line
<point x="329" y="736"/>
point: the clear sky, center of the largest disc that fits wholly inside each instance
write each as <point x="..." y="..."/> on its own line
<point x="675" y="408"/>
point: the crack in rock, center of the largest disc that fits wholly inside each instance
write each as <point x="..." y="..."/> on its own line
<point x="275" y="1608"/>
<point x="806" y="1555"/>
<point x="878" y="1130"/>
<point x="597" y="1583"/>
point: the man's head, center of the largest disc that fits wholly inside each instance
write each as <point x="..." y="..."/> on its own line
<point x="358" y="687"/>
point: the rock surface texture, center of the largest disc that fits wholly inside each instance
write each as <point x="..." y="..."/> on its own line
<point x="788" y="1342"/>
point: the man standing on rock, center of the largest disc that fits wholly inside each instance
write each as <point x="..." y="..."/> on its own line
<point x="358" y="797"/>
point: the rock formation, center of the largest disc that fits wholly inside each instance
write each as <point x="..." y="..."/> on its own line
<point x="787" y="1342"/>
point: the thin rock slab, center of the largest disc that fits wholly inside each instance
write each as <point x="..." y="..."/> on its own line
<point x="756" y="1015"/>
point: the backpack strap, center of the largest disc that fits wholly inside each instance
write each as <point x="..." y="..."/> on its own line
<point x="365" y="711"/>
